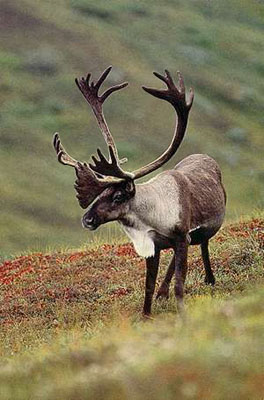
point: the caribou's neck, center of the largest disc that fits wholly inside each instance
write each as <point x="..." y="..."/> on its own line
<point x="156" y="203"/>
<point x="155" y="208"/>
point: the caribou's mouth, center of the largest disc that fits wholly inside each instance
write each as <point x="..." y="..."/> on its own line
<point x="91" y="227"/>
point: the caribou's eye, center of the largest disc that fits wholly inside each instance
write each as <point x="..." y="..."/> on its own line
<point x="118" y="197"/>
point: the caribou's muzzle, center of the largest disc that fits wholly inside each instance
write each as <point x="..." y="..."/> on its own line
<point x="90" y="223"/>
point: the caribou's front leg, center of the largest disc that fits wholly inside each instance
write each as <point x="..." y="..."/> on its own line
<point x="152" y="265"/>
<point x="181" y="251"/>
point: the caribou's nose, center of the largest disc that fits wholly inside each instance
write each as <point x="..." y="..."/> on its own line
<point x="89" y="222"/>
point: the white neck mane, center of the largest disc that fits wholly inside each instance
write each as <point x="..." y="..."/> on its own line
<point x="155" y="207"/>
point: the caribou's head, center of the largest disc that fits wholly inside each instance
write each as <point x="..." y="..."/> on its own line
<point x="112" y="204"/>
<point x="103" y="186"/>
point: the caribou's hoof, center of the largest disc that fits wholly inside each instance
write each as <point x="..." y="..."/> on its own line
<point x="163" y="293"/>
<point x="147" y="317"/>
<point x="209" y="280"/>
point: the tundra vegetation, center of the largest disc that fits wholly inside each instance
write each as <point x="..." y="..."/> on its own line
<point x="71" y="324"/>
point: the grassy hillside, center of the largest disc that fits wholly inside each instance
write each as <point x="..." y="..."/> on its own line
<point x="217" y="45"/>
<point x="71" y="325"/>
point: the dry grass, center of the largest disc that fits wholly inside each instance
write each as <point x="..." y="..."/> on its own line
<point x="71" y="325"/>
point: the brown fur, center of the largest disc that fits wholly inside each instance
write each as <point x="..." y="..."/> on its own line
<point x="202" y="191"/>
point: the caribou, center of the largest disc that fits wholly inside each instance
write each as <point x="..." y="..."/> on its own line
<point x="179" y="207"/>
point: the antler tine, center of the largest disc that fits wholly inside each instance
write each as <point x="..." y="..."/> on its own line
<point x="63" y="157"/>
<point x="161" y="77"/>
<point x="191" y="97"/>
<point x="170" y="82"/>
<point x="109" y="168"/>
<point x="175" y="96"/>
<point x="90" y="93"/>
<point x="109" y="91"/>
<point x="103" y="77"/>
<point x="155" y="92"/>
<point x="166" y="94"/>
<point x="181" y="82"/>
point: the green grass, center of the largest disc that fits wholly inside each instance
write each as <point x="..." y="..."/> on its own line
<point x="217" y="355"/>
<point x="71" y="325"/>
<point x="217" y="45"/>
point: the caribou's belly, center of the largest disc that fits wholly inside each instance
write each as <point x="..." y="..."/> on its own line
<point x="206" y="230"/>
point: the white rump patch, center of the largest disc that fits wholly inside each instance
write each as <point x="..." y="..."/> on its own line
<point x="143" y="244"/>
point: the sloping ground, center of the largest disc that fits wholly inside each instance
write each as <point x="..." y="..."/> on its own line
<point x="39" y="285"/>
<point x="218" y="47"/>
<point x="71" y="325"/>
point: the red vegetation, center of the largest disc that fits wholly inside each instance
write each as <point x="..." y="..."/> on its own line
<point x="42" y="283"/>
<point x="244" y="230"/>
<point x="31" y="285"/>
<point x="11" y="270"/>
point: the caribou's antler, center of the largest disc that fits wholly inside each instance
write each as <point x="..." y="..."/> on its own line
<point x="90" y="93"/>
<point x="87" y="184"/>
<point x="175" y="96"/>
<point x="93" y="179"/>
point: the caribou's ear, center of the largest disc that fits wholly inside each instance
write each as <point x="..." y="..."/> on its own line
<point x="130" y="186"/>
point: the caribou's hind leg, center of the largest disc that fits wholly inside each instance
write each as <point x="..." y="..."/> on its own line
<point x="181" y="253"/>
<point x="209" y="276"/>
<point x="164" y="288"/>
